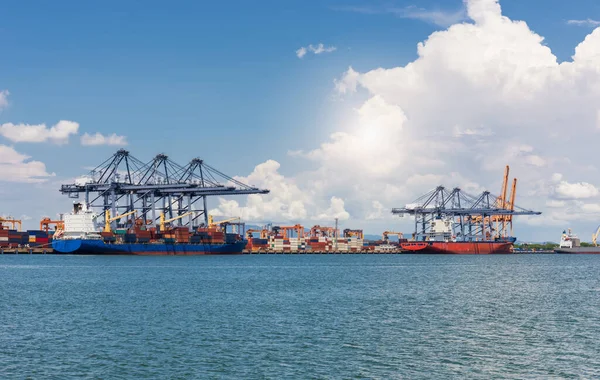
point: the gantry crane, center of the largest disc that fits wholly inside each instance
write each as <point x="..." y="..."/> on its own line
<point x="264" y="233"/>
<point x="123" y="183"/>
<point x="348" y="233"/>
<point x="501" y="221"/>
<point x="317" y="231"/>
<point x="385" y="234"/>
<point x="446" y="214"/>
<point x="12" y="221"/>
<point x="46" y="222"/>
<point x="108" y="219"/>
<point x="299" y="229"/>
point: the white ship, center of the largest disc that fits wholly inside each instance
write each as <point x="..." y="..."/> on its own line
<point x="570" y="243"/>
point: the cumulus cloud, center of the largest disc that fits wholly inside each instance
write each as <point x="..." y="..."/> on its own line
<point x="4" y="98"/>
<point x="100" y="139"/>
<point x="480" y="95"/>
<point x="286" y="201"/>
<point x="378" y="211"/>
<point x="58" y="133"/>
<point x="587" y="22"/>
<point x="579" y="190"/>
<point x="318" y="49"/>
<point x="336" y="210"/>
<point x="17" y="167"/>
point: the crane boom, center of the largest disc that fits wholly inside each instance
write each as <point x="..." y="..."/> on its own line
<point x="211" y="221"/>
<point x="164" y="221"/>
<point x="504" y="187"/>
<point x="108" y="219"/>
<point x="595" y="236"/>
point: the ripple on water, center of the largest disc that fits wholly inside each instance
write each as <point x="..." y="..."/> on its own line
<point x="370" y="316"/>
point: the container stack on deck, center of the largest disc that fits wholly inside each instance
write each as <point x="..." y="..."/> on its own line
<point x="175" y="235"/>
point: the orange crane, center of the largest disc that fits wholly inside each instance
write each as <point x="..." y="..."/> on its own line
<point x="502" y="203"/>
<point x="348" y="233"/>
<point x="385" y="234"/>
<point x="299" y="229"/>
<point x="264" y="233"/>
<point x="46" y="222"/>
<point x="12" y="221"/>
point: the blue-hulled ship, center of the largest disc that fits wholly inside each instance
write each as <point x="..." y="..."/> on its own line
<point x="81" y="237"/>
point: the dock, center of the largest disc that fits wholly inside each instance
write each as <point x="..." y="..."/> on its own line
<point x="26" y="251"/>
<point x="304" y="252"/>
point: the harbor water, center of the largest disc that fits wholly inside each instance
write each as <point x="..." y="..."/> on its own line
<point x="300" y="316"/>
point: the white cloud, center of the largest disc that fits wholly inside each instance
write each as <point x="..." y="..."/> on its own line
<point x="336" y="210"/>
<point x="58" y="133"/>
<point x="318" y="49"/>
<point x="480" y="95"/>
<point x="438" y="17"/>
<point x="301" y="52"/>
<point x="587" y="22"/>
<point x="4" y="98"/>
<point x="378" y="211"/>
<point x="17" y="167"/>
<point x="555" y="204"/>
<point x="99" y="139"/>
<point x="581" y="190"/>
<point x="285" y="200"/>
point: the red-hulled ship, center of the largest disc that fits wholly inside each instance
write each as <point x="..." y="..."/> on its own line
<point x="458" y="223"/>
<point x="458" y="247"/>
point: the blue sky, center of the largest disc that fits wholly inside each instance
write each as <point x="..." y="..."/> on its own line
<point x="218" y="80"/>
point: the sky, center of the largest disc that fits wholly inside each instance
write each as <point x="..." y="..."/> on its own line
<point x="341" y="108"/>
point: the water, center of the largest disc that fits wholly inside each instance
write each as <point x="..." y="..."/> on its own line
<point x="338" y="316"/>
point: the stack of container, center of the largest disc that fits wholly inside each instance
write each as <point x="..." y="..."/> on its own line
<point x="38" y="238"/>
<point x="216" y="237"/>
<point x="143" y="235"/>
<point x="182" y="234"/>
<point x="256" y="244"/>
<point x="4" y="238"/>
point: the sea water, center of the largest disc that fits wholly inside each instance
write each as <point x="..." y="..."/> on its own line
<point x="300" y="316"/>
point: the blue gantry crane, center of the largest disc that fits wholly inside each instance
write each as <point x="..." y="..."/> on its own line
<point x="123" y="184"/>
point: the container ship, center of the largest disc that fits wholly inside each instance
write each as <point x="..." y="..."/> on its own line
<point x="570" y="243"/>
<point x="441" y="241"/>
<point x="80" y="236"/>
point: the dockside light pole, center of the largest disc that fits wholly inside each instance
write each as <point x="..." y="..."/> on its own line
<point x="335" y="234"/>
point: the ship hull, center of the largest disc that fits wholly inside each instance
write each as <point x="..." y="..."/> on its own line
<point x="465" y="248"/>
<point x="99" y="247"/>
<point x="579" y="250"/>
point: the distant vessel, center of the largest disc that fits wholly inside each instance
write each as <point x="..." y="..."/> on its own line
<point x="570" y="243"/>
<point x="80" y="236"/>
